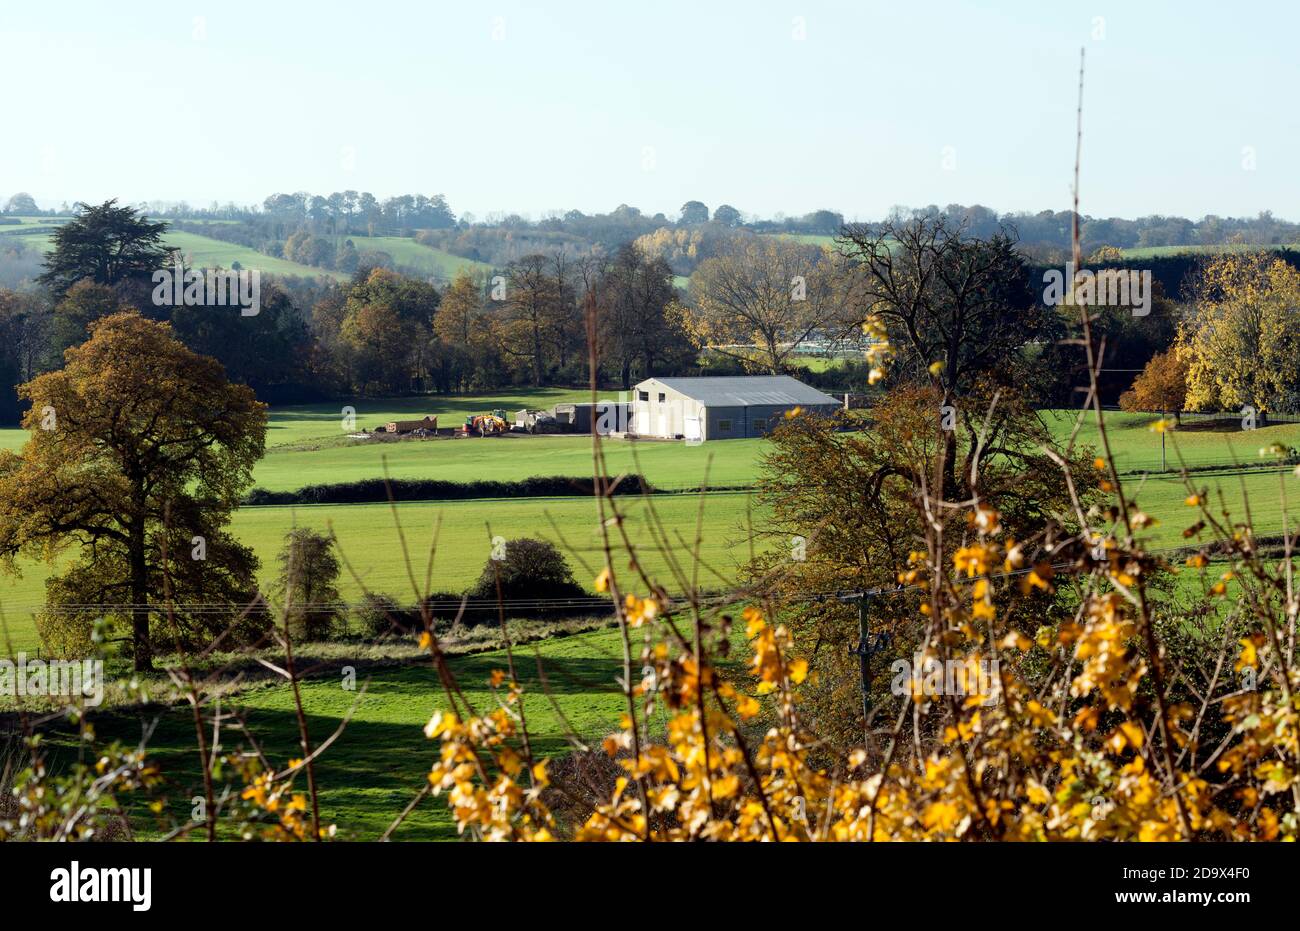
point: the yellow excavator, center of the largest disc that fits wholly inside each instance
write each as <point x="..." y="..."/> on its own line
<point x="493" y="424"/>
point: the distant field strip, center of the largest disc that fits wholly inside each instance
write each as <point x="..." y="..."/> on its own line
<point x="203" y="251"/>
<point x="369" y="539"/>
<point x="1195" y="444"/>
<point x="408" y="253"/>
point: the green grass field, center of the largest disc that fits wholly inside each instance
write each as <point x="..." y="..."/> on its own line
<point x="40" y="221"/>
<point x="1144" y="252"/>
<point x="410" y="254"/>
<point x="1194" y="444"/>
<point x="203" y="251"/>
<point x="306" y="445"/>
<point x="1148" y="252"/>
<point x="380" y="761"/>
<point x="819" y="363"/>
<point x="369" y="541"/>
<point x="378" y="764"/>
<point x="307" y="423"/>
<point x="208" y="252"/>
<point x="513" y="457"/>
<point x="26" y="224"/>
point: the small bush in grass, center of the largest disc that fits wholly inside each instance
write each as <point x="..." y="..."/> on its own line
<point x="529" y="570"/>
<point x="378" y="615"/>
<point x="444" y="607"/>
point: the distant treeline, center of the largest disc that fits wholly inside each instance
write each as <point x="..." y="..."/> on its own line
<point x="313" y="229"/>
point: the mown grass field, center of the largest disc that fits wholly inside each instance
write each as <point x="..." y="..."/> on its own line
<point x="207" y="253"/>
<point x="1194" y="444"/>
<point x="309" y="444"/>
<point x="29" y="223"/>
<point x="509" y="458"/>
<point x="369" y="541"/>
<point x="309" y="423"/>
<point x="818" y="363"/>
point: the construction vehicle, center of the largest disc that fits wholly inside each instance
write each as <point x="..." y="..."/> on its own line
<point x="493" y="424"/>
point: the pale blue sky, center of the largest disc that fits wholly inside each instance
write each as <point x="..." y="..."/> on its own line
<point x="588" y="105"/>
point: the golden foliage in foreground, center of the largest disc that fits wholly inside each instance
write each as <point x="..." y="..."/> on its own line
<point x="1088" y="750"/>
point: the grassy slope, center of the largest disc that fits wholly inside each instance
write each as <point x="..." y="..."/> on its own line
<point x="207" y="252"/>
<point x="811" y="239"/>
<point x="410" y="254"/>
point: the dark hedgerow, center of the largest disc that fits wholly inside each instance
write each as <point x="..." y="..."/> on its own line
<point x="377" y="489"/>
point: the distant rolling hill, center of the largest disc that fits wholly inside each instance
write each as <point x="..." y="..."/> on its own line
<point x="203" y="251"/>
<point x="410" y="254"/>
<point x="206" y="252"/>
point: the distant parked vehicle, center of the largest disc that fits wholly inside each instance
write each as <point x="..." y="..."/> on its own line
<point x="428" y="423"/>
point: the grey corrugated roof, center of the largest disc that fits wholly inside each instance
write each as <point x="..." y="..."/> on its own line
<point x="746" y="390"/>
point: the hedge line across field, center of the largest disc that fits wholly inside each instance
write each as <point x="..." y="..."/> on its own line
<point x="372" y="490"/>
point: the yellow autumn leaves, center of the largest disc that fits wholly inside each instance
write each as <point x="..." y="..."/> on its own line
<point x="1238" y="340"/>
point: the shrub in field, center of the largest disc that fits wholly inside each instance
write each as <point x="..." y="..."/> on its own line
<point x="530" y="577"/>
<point x="444" y="608"/>
<point x="307" y="589"/>
<point x="380" y="615"/>
<point x="377" y="615"/>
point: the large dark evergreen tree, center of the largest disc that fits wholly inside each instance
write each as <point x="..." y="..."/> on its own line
<point x="107" y="244"/>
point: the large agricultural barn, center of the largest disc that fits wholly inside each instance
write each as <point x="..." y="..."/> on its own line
<point x="720" y="408"/>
